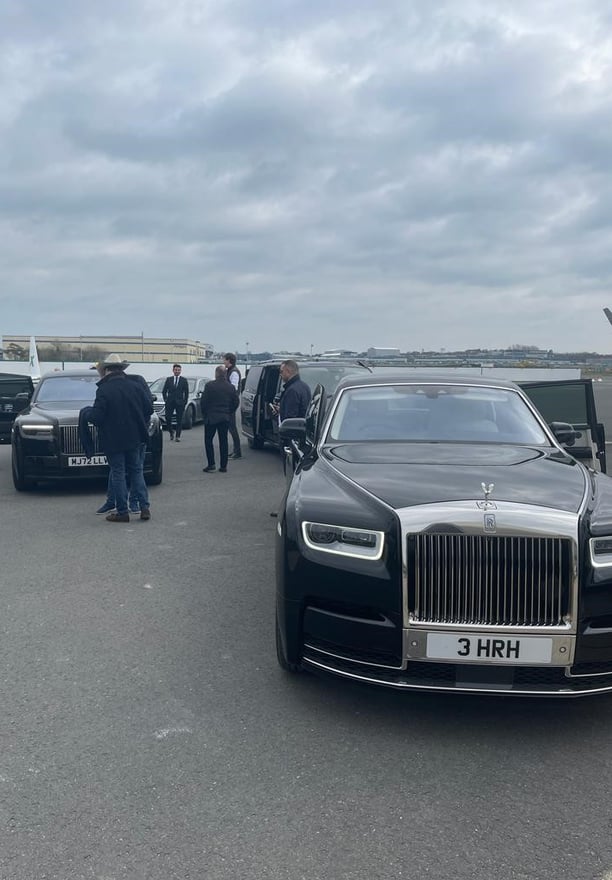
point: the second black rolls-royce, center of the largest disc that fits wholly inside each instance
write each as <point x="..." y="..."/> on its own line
<point x="45" y="436"/>
<point x="439" y="533"/>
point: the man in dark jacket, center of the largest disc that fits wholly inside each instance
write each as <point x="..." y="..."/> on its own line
<point x="232" y="374"/>
<point x="176" y="395"/>
<point x="121" y="412"/>
<point x="295" y="395"/>
<point x="134" y="503"/>
<point x="219" y="401"/>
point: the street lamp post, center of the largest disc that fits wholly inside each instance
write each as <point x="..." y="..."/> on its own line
<point x="247" y="355"/>
<point x="311" y="347"/>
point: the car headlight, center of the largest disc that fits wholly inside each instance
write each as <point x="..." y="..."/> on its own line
<point x="343" y="540"/>
<point x="31" y="430"/>
<point x="601" y="552"/>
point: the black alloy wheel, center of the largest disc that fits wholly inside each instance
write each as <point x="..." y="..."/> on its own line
<point x="20" y="481"/>
<point x="188" y="418"/>
<point x="157" y="472"/>
<point x="293" y="668"/>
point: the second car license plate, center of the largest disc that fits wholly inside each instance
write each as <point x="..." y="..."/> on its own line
<point x="488" y="648"/>
<point x="83" y="461"/>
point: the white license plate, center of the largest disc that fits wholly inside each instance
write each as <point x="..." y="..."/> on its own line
<point x="489" y="648"/>
<point x="82" y="461"/>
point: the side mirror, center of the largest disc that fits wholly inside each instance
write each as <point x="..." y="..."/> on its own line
<point x="292" y="429"/>
<point x="565" y="433"/>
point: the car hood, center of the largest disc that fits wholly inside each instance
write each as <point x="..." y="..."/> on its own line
<point x="407" y="474"/>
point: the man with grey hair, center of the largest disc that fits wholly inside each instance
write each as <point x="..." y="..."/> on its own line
<point x="219" y="401"/>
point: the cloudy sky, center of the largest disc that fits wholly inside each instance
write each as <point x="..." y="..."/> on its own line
<point x="336" y="173"/>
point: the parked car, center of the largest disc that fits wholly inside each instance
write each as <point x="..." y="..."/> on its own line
<point x="262" y="386"/>
<point x="45" y="436"/>
<point x="439" y="533"/>
<point x="193" y="410"/>
<point x="15" y="394"/>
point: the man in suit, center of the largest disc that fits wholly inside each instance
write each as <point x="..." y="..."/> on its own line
<point x="175" y="394"/>
<point x="219" y="401"/>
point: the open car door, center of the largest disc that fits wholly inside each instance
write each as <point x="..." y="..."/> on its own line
<point x="572" y="401"/>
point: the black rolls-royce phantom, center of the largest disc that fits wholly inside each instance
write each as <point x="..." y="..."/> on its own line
<point x="45" y="436"/>
<point x="439" y="533"/>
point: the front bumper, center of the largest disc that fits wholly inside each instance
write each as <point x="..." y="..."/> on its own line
<point x="377" y="650"/>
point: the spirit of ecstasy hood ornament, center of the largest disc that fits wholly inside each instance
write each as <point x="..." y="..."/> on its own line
<point x="487" y="488"/>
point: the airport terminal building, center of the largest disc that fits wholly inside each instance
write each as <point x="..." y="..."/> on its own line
<point x="136" y="349"/>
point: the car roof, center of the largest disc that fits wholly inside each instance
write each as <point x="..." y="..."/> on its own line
<point x="404" y="378"/>
<point x="314" y="362"/>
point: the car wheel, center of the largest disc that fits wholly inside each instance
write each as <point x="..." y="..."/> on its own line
<point x="20" y="481"/>
<point x="294" y="668"/>
<point x="155" y="477"/>
<point x="188" y="418"/>
<point x="255" y="442"/>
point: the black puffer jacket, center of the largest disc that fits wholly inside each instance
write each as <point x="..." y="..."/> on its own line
<point x="121" y="411"/>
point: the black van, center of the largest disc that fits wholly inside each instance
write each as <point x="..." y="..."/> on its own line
<point x="15" y="394"/>
<point x="262" y="386"/>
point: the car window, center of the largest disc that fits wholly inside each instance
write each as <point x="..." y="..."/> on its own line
<point x="328" y="376"/>
<point x="561" y="403"/>
<point x="13" y="387"/>
<point x="429" y="413"/>
<point x="252" y="379"/>
<point x="66" y="388"/>
<point x="158" y="385"/>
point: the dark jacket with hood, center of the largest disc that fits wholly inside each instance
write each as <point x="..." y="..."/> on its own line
<point x="121" y="411"/>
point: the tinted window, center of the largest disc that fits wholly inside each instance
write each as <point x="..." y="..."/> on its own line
<point x="252" y="379"/>
<point x="158" y="386"/>
<point x="561" y="403"/>
<point x="12" y="387"/>
<point x="435" y="413"/>
<point x="66" y="388"/>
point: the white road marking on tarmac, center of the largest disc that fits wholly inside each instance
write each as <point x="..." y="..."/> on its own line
<point x="169" y="731"/>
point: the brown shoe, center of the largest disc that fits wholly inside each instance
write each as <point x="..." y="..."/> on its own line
<point x="145" y="513"/>
<point x="118" y="517"/>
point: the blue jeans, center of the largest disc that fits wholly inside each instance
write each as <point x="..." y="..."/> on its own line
<point x="133" y="500"/>
<point x="126" y="466"/>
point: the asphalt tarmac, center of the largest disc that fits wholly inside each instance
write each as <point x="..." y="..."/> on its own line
<point x="147" y="732"/>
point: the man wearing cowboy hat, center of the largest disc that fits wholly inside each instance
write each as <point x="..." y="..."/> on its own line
<point x="134" y="503"/>
<point x="121" y="412"/>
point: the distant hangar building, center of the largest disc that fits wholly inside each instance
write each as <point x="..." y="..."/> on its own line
<point x="374" y="353"/>
<point x="135" y="349"/>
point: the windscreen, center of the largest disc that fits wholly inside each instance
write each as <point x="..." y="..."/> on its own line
<point x="67" y="388"/>
<point x="435" y="413"/>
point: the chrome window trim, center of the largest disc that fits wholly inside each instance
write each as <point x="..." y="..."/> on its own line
<point x="493" y="386"/>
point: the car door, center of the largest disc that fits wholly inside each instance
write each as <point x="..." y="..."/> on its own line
<point x="572" y="401"/>
<point x="250" y="402"/>
<point x="294" y="453"/>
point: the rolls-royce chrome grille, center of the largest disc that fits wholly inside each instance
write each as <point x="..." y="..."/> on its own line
<point x="489" y="580"/>
<point x="71" y="442"/>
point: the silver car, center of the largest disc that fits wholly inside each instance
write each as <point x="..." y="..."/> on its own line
<point x="193" y="409"/>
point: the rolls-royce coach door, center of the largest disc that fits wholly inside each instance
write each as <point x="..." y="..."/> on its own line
<point x="572" y="401"/>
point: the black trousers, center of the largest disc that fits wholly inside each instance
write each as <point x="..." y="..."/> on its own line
<point x="179" y="408"/>
<point x="221" y="429"/>
<point x="234" y="433"/>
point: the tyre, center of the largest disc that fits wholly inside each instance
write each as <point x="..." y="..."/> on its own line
<point x="293" y="668"/>
<point x="156" y="475"/>
<point x="255" y="442"/>
<point x="188" y="418"/>
<point x="20" y="481"/>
